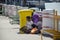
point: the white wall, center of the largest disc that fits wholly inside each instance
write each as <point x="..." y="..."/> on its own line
<point x="47" y="22"/>
<point x="55" y="6"/>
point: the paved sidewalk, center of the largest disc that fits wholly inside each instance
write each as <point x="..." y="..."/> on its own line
<point x="10" y="32"/>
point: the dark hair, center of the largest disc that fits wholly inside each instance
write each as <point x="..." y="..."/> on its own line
<point x="28" y="17"/>
<point x="33" y="25"/>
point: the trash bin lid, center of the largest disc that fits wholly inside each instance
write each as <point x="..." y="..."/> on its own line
<point x="25" y="10"/>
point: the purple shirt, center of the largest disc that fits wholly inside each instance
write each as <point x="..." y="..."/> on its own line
<point x="36" y="16"/>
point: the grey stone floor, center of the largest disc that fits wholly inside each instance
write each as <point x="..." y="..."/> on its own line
<point x="10" y="32"/>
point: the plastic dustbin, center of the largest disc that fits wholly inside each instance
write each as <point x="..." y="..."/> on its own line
<point x="22" y="16"/>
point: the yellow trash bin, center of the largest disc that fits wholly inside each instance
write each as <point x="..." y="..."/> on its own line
<point x="22" y="16"/>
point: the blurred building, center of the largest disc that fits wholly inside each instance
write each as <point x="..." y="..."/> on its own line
<point x="29" y="3"/>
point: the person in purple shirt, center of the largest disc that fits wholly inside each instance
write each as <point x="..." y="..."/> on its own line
<point x="35" y="18"/>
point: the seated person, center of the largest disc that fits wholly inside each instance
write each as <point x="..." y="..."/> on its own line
<point x="37" y="27"/>
<point x="27" y="28"/>
<point x="29" y="22"/>
<point x="32" y="28"/>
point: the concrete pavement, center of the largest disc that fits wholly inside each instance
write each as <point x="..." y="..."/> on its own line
<point x="10" y="32"/>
